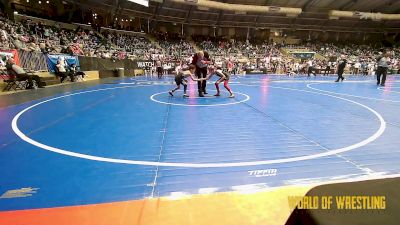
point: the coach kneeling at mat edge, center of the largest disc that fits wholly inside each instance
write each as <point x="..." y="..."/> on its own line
<point x="22" y="75"/>
<point x="200" y="60"/>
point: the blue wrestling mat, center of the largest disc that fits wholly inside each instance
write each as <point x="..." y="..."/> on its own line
<point x="130" y="140"/>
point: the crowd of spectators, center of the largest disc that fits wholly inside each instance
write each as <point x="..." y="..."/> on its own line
<point x="37" y="37"/>
<point x="134" y="46"/>
<point x="174" y="46"/>
<point x="219" y="47"/>
<point x="361" y="58"/>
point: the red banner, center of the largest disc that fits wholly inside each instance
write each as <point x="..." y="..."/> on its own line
<point x="4" y="54"/>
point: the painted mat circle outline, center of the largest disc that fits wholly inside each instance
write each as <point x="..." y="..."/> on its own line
<point x="198" y="105"/>
<point x="350" y="95"/>
<point x="391" y="91"/>
<point x="19" y="133"/>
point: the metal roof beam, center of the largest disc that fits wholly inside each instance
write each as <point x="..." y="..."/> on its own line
<point x="348" y="4"/>
<point x="308" y="4"/>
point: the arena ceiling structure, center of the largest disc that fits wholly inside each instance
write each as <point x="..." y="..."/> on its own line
<point x="264" y="14"/>
<point x="361" y="16"/>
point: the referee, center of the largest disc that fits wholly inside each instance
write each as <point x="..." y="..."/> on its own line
<point x="201" y="60"/>
<point x="381" y="71"/>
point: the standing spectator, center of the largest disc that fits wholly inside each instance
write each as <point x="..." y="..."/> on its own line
<point x="159" y="68"/>
<point x="357" y="67"/>
<point x="364" y="68"/>
<point x="328" y="68"/>
<point x="383" y="64"/>
<point x="340" y="68"/>
<point x="311" y="69"/>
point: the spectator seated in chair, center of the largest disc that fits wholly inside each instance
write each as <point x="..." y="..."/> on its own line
<point x="21" y="74"/>
<point x="61" y="70"/>
<point x="74" y="72"/>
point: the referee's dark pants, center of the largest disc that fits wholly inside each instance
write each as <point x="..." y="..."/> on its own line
<point x="311" y="70"/>
<point x="340" y="74"/>
<point x="201" y="85"/>
<point x="327" y="70"/>
<point x="381" y="71"/>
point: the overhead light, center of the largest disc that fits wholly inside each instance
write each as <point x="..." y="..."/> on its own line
<point x="40" y="2"/>
<point x="47" y="2"/>
<point x="89" y="23"/>
<point x="27" y="0"/>
<point x="130" y="20"/>
<point x="15" y="12"/>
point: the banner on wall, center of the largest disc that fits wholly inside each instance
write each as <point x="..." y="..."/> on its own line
<point x="142" y="64"/>
<point x="9" y="53"/>
<point x="93" y="63"/>
<point x="52" y="61"/>
<point x="303" y="55"/>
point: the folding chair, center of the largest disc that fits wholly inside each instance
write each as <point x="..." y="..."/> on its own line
<point x="7" y="80"/>
<point x="12" y="82"/>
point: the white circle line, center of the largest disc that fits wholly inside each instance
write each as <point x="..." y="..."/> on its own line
<point x="382" y="89"/>
<point x="198" y="105"/>
<point x="356" y="96"/>
<point x="19" y="133"/>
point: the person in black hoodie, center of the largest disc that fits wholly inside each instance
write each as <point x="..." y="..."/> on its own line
<point x="201" y="60"/>
<point x="340" y="68"/>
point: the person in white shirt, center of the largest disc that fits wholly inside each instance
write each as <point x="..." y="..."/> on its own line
<point x="311" y="67"/>
<point x="62" y="70"/>
<point x="357" y="67"/>
<point x="328" y="68"/>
